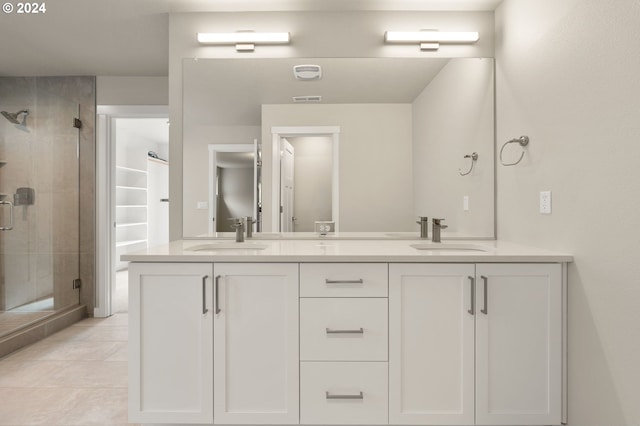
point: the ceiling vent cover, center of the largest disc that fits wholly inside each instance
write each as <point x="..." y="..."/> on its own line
<point x="307" y="72"/>
<point x="313" y="98"/>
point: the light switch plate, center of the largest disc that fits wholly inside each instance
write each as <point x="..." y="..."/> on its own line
<point x="202" y="205"/>
<point x="545" y="202"/>
<point x="465" y="203"/>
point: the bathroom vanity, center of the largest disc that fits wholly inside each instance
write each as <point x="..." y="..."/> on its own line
<point x="357" y="331"/>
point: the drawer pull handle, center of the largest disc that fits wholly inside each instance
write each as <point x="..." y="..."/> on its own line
<point x="356" y="331"/>
<point x="485" y="280"/>
<point x="338" y="396"/>
<point x="217" y="309"/>
<point x="204" y="294"/>
<point x="359" y="281"/>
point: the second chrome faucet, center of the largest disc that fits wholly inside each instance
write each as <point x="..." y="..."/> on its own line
<point x="437" y="226"/>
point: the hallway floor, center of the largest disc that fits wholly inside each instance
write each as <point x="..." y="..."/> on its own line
<point x="77" y="376"/>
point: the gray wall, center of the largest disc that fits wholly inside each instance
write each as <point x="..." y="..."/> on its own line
<point x="567" y="76"/>
<point x="453" y="117"/>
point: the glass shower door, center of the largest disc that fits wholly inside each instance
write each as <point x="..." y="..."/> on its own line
<point x="39" y="205"/>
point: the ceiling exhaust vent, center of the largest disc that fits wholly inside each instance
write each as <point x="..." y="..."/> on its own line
<point x="307" y="99"/>
<point x="307" y="72"/>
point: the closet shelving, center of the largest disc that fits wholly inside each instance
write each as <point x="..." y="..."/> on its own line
<point x="131" y="209"/>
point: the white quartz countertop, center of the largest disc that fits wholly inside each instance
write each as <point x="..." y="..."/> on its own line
<point x="344" y="250"/>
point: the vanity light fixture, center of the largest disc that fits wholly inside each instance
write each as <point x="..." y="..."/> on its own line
<point x="431" y="39"/>
<point x="245" y="41"/>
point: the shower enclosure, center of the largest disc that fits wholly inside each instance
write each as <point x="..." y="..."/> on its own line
<point x="39" y="203"/>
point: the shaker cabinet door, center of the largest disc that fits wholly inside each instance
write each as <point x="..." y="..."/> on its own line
<point x="519" y="344"/>
<point x="170" y="343"/>
<point x="256" y="343"/>
<point x="431" y="344"/>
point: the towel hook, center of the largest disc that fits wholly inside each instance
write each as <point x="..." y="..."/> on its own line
<point x="474" y="158"/>
<point x="523" y="141"/>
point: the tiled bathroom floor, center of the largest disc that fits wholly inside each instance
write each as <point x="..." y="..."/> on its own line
<point x="77" y="376"/>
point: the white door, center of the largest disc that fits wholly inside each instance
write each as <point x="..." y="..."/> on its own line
<point x="158" y="202"/>
<point x="287" y="216"/>
<point x="170" y="343"/>
<point x="518" y="338"/>
<point x="256" y="344"/>
<point x="431" y="344"/>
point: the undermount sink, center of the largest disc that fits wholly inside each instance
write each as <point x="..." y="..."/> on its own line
<point x="228" y="246"/>
<point x="448" y="247"/>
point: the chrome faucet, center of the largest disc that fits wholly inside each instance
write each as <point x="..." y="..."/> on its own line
<point x="437" y="227"/>
<point x="238" y="225"/>
<point x="424" y="226"/>
<point x="249" y="224"/>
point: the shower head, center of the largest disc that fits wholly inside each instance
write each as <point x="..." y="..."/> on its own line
<point x="13" y="116"/>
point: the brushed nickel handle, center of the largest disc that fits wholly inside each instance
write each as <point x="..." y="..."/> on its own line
<point x="343" y="396"/>
<point x="472" y="281"/>
<point x="10" y="227"/>
<point x="358" y="281"/>
<point x="217" y="308"/>
<point x="355" y="331"/>
<point x="486" y="297"/>
<point x="204" y="294"/>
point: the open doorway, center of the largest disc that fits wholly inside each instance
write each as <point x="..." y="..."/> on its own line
<point x="305" y="178"/>
<point x="133" y="200"/>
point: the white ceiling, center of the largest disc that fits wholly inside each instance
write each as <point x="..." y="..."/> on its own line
<point x="232" y="91"/>
<point x="131" y="37"/>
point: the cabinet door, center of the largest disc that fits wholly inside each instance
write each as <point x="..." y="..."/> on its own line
<point x="256" y="344"/>
<point x="518" y="338"/>
<point x="431" y="344"/>
<point x="170" y="343"/>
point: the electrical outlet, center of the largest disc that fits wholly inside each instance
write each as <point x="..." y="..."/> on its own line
<point x="465" y="203"/>
<point x="545" y="202"/>
<point x="202" y="205"/>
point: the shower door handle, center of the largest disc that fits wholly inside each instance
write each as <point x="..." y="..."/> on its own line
<point x="10" y="227"/>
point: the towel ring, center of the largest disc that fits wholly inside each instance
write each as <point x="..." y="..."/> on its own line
<point x="523" y="141"/>
<point x="474" y="158"/>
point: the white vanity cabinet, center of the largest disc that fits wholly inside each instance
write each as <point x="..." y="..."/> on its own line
<point x="170" y="343"/>
<point x="256" y="376"/>
<point x="194" y="326"/>
<point x="508" y="315"/>
<point x="344" y="343"/>
<point x="363" y="343"/>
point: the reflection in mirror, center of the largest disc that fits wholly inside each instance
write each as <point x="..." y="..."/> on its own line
<point x="405" y="126"/>
<point x="234" y="181"/>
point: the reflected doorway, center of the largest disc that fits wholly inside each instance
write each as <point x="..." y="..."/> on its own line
<point x="306" y="173"/>
<point x="305" y="177"/>
<point x="234" y="185"/>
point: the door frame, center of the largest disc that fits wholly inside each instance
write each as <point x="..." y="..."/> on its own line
<point x="277" y="133"/>
<point x="105" y="196"/>
<point x="230" y="147"/>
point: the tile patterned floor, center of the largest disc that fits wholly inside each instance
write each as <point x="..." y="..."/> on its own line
<point x="77" y="376"/>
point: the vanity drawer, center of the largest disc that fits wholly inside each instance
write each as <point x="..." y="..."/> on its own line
<point x="344" y="329"/>
<point x="344" y="393"/>
<point x="344" y="280"/>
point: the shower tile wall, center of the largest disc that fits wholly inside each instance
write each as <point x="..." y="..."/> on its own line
<point x="40" y="256"/>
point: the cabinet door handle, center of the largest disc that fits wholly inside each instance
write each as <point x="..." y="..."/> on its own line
<point x="204" y="294"/>
<point x="486" y="297"/>
<point x="10" y="226"/>
<point x="472" y="281"/>
<point x="358" y="281"/>
<point x="356" y="331"/>
<point x="217" y="310"/>
<point x="339" y="396"/>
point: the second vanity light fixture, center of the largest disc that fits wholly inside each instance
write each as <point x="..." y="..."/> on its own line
<point x="245" y="41"/>
<point x="431" y="39"/>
